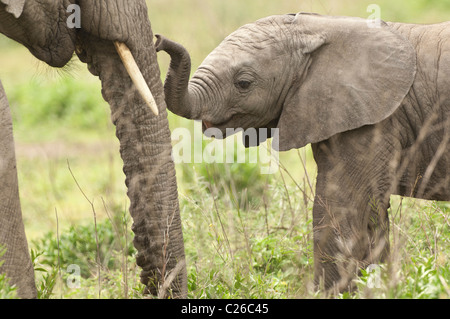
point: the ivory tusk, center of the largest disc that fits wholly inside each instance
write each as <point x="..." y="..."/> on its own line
<point x="136" y="75"/>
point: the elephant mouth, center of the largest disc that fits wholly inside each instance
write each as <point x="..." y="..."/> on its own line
<point x="211" y="129"/>
<point x="206" y="125"/>
<point x="232" y="124"/>
<point x="227" y="130"/>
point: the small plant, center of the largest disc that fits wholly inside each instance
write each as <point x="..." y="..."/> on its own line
<point x="45" y="278"/>
<point x="78" y="246"/>
<point x="6" y="291"/>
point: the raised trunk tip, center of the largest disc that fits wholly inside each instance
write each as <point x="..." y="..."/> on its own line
<point x="179" y="97"/>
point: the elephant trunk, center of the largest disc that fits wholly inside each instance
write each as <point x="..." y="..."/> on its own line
<point x="15" y="262"/>
<point x="145" y="147"/>
<point x="182" y="98"/>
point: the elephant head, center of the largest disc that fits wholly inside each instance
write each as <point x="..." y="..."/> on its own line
<point x="29" y="23"/>
<point x="305" y="74"/>
<point x="145" y="146"/>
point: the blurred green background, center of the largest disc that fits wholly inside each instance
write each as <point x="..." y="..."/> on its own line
<point x="63" y="131"/>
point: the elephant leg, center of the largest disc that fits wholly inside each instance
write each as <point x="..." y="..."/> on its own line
<point x="345" y="242"/>
<point x="351" y="224"/>
<point x="378" y="234"/>
<point x="16" y="262"/>
<point x="339" y="246"/>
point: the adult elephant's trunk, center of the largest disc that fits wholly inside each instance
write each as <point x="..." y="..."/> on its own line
<point x="145" y="147"/>
<point x="182" y="97"/>
<point x="15" y="262"/>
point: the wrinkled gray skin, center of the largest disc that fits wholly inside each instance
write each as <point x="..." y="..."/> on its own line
<point x="374" y="102"/>
<point x="145" y="144"/>
<point x="16" y="259"/>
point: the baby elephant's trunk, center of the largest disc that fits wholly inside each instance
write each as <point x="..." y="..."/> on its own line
<point x="179" y="98"/>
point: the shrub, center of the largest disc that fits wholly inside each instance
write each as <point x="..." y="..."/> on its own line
<point x="79" y="246"/>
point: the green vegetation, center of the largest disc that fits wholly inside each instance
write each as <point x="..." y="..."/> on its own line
<point x="63" y="101"/>
<point x="6" y="291"/>
<point x="247" y="235"/>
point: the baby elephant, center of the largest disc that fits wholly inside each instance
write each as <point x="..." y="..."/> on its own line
<point x="374" y="102"/>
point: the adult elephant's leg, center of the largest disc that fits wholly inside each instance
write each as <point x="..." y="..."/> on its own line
<point x="350" y="219"/>
<point x="145" y="147"/>
<point x="16" y="262"/>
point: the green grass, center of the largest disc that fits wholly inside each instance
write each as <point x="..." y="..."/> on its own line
<point x="6" y="290"/>
<point x="246" y="235"/>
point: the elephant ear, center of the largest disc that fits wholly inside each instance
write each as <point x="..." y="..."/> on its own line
<point x="15" y="7"/>
<point x="358" y="75"/>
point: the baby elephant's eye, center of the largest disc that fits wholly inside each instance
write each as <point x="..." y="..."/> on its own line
<point x="244" y="85"/>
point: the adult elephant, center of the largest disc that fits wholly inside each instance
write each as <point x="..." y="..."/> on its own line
<point x="374" y="102"/>
<point x="145" y="145"/>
